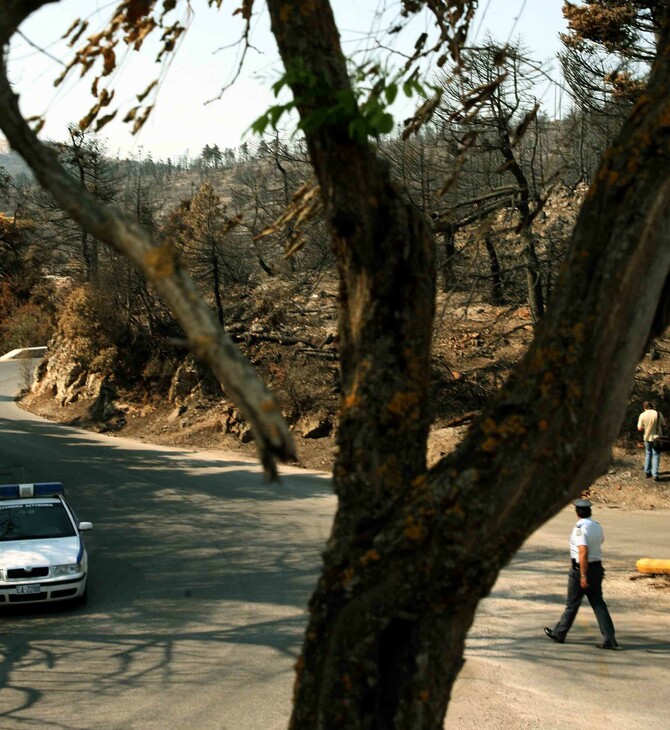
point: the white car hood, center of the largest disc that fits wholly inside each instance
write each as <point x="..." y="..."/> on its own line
<point x="34" y="553"/>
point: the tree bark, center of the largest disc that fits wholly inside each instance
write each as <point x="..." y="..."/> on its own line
<point x="448" y="261"/>
<point x="412" y="552"/>
<point x="497" y="297"/>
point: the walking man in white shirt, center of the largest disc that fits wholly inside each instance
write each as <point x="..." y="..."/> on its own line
<point x="585" y="578"/>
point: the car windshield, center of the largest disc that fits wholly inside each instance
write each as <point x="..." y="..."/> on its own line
<point x="34" y="521"/>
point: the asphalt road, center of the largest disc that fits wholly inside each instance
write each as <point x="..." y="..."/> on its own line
<point x="199" y="574"/>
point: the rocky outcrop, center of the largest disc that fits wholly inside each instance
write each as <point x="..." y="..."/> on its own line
<point x="192" y="380"/>
<point x="315" y="426"/>
<point x="61" y="375"/>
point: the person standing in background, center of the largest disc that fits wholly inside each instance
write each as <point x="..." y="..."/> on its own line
<point x="651" y="424"/>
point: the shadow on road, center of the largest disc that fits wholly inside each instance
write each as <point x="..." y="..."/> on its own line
<point x="175" y="537"/>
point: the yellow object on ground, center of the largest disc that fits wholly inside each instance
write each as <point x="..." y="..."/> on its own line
<point x="647" y="565"/>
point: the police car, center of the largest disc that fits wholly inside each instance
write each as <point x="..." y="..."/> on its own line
<point x="42" y="554"/>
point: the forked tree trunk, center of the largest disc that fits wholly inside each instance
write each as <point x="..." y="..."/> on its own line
<point x="529" y="254"/>
<point x="413" y="551"/>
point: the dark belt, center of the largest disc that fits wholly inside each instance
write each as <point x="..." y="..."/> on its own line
<point x="575" y="563"/>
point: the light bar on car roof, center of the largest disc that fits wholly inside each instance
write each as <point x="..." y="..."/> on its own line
<point x="23" y="491"/>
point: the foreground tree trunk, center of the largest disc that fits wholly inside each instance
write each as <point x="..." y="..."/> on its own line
<point x="412" y="552"/>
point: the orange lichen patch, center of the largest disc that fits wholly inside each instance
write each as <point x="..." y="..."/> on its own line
<point x="664" y="117"/>
<point x="418" y="482"/>
<point x="574" y="391"/>
<point x="512" y="426"/>
<point x="389" y="476"/>
<point x="161" y="260"/>
<point x="347" y="576"/>
<point x="403" y="403"/>
<point x="545" y="356"/>
<point x="307" y="7"/>
<point x="370" y="557"/>
<point x="413" y="529"/>
<point x="414" y="366"/>
<point x="545" y="389"/>
<point x="351" y="401"/>
<point x="543" y="425"/>
<point x="455" y="510"/>
<point x="424" y="696"/>
<point x="633" y="164"/>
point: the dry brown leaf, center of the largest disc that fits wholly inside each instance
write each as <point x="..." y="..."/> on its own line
<point x="137" y="9"/>
<point x="140" y="121"/>
<point x="145" y="93"/>
<point x="109" y="61"/>
<point x="78" y="34"/>
<point x="104" y="120"/>
<point x="75" y="23"/>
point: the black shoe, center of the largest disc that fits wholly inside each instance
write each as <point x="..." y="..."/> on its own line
<point x="551" y="635"/>
<point x="608" y="645"/>
<point x="647" y="475"/>
<point x="656" y="479"/>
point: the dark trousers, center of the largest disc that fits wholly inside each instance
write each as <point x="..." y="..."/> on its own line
<point x="595" y="595"/>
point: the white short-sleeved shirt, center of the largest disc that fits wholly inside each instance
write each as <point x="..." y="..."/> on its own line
<point x="587" y="532"/>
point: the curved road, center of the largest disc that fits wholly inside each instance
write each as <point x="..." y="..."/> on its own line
<point x="200" y="572"/>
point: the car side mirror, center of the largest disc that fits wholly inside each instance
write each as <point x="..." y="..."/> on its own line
<point x="84" y="526"/>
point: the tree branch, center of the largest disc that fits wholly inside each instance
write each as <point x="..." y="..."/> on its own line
<point x="160" y="265"/>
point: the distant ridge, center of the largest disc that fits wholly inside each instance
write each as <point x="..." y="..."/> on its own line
<point x="12" y="162"/>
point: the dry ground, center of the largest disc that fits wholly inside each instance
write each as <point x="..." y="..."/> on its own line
<point x="475" y="346"/>
<point x="623" y="486"/>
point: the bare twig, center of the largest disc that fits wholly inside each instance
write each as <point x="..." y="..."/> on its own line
<point x="159" y="264"/>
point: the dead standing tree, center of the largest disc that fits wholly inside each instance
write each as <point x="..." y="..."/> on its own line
<point x="495" y="126"/>
<point x="413" y="551"/>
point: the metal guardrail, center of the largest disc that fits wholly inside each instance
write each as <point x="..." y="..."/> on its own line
<point x="23" y="353"/>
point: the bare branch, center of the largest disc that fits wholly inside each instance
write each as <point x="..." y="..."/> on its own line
<point x="161" y="266"/>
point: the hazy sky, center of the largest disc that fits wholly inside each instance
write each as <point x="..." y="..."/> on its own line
<point x="182" y="119"/>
